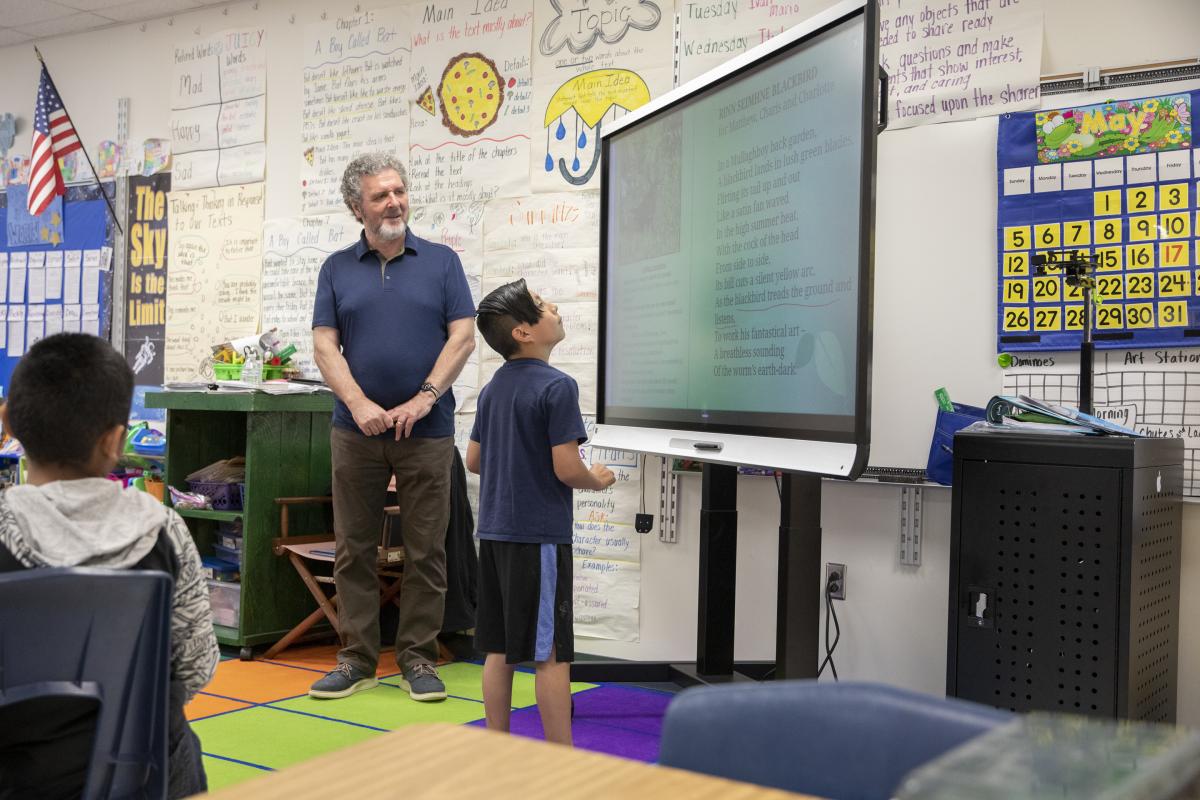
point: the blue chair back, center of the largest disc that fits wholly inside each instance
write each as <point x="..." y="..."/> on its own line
<point x="846" y="741"/>
<point x="102" y="634"/>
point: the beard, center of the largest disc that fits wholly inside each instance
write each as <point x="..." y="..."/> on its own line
<point x="391" y="229"/>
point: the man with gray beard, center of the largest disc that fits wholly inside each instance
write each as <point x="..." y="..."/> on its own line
<point x="393" y="325"/>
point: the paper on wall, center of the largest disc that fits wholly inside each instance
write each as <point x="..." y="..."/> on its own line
<point x="356" y="96"/>
<point x="293" y="252"/>
<point x="218" y="110"/>
<point x="213" y="289"/>
<point x="592" y="63"/>
<point x="472" y="85"/>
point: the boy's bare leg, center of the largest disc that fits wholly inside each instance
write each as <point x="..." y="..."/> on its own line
<point x="497" y="691"/>
<point x="552" y="685"/>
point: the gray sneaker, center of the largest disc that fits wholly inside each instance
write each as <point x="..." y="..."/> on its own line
<point x="343" y="681"/>
<point x="423" y="683"/>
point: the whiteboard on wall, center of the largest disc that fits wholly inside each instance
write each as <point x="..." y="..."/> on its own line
<point x="935" y="274"/>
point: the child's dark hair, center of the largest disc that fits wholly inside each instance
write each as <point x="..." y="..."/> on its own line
<point x="64" y="394"/>
<point x="503" y="309"/>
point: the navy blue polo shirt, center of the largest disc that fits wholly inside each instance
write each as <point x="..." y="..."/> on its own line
<point x="526" y="409"/>
<point x="393" y="322"/>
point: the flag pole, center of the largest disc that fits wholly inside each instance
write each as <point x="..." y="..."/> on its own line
<point x="95" y="175"/>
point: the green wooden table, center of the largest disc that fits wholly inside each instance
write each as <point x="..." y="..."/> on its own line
<point x="285" y="440"/>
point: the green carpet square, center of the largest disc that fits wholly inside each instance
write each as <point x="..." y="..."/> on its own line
<point x="222" y="773"/>
<point x="386" y="707"/>
<point x="275" y="738"/>
<point x="464" y="679"/>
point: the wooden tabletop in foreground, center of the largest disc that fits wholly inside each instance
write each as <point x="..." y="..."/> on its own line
<point x="456" y="761"/>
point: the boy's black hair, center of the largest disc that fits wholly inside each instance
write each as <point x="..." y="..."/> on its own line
<point x="64" y="394"/>
<point x="503" y="309"/>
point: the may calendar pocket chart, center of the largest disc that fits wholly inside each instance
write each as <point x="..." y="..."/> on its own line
<point x="1113" y="181"/>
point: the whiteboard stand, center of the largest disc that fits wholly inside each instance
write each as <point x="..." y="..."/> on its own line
<point x="799" y="592"/>
<point x="797" y="622"/>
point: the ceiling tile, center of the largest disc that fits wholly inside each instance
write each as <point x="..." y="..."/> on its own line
<point x="18" y="13"/>
<point x="140" y="10"/>
<point x="9" y="36"/>
<point x="88" y="5"/>
<point x="72" y="24"/>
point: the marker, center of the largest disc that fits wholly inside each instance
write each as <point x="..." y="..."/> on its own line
<point x="943" y="399"/>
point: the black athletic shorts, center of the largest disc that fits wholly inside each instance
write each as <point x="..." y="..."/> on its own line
<point x="524" y="603"/>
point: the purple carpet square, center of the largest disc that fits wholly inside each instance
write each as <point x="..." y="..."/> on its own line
<point x="609" y="719"/>
<point x="634" y="709"/>
<point x="588" y="736"/>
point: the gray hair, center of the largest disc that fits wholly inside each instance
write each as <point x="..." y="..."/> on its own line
<point x="367" y="164"/>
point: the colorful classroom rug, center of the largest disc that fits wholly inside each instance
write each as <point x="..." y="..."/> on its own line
<point x="256" y="716"/>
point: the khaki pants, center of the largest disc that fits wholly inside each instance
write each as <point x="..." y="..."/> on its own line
<point x="362" y="469"/>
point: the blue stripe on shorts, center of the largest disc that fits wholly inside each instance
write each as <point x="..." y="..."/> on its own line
<point x="545" y="619"/>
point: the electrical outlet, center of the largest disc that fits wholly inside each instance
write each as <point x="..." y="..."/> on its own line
<point x="835" y="580"/>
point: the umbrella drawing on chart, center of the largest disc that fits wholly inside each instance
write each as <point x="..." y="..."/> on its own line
<point x="583" y="103"/>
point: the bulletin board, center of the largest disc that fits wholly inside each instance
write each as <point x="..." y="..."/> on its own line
<point x="52" y="287"/>
<point x="1115" y="180"/>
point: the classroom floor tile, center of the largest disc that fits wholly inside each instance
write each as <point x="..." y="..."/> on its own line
<point x="624" y="707"/>
<point x="465" y="679"/>
<point x="257" y="716"/>
<point x="259" y="682"/>
<point x="386" y="707"/>
<point x="323" y="658"/>
<point x="222" y="773"/>
<point x="205" y="705"/>
<point x="598" y="738"/>
<point x="274" y="738"/>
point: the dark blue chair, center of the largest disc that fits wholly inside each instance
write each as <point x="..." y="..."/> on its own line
<point x="846" y="741"/>
<point x="82" y="643"/>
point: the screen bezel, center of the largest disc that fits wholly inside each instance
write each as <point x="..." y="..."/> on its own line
<point x="857" y="433"/>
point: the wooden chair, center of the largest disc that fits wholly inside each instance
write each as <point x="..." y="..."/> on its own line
<point x="304" y="550"/>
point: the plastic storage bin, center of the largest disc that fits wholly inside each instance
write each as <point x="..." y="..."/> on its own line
<point x="231" y="541"/>
<point x="223" y="496"/>
<point x="226" y="599"/>
<point x="224" y="371"/>
<point x="230" y="554"/>
<point x="147" y="441"/>
<point x="215" y="568"/>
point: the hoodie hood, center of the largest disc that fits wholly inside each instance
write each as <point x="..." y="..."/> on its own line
<point x="92" y="522"/>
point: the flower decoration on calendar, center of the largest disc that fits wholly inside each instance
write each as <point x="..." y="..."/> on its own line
<point x="1125" y="127"/>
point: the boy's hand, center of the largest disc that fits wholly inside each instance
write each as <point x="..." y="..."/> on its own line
<point x="370" y="417"/>
<point x="603" y="475"/>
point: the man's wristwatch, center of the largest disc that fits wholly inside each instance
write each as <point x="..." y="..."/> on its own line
<point x="429" y="387"/>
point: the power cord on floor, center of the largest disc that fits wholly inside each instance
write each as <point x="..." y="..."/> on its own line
<point x="830" y="583"/>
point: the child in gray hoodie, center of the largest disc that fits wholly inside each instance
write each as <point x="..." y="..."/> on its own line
<point x="68" y="405"/>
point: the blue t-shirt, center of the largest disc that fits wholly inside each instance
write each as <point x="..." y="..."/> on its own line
<point x="393" y="322"/>
<point x="526" y="409"/>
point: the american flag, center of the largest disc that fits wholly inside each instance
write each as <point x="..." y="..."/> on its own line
<point x="53" y="137"/>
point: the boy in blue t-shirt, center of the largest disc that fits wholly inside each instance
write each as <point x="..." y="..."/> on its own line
<point x="525" y="447"/>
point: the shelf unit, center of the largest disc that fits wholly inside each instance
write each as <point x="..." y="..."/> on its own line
<point x="285" y="440"/>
